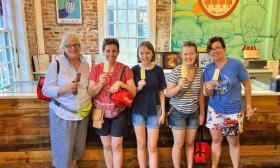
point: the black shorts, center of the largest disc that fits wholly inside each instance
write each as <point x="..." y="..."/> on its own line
<point x="116" y="127"/>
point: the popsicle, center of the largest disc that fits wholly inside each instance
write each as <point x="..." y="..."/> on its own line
<point x="143" y="73"/>
<point x="216" y="74"/>
<point x="183" y="72"/>
<point x="106" y="67"/>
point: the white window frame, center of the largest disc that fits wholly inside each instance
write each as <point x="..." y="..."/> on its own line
<point x="102" y="20"/>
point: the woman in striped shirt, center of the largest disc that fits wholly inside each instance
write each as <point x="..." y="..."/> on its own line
<point x="185" y="91"/>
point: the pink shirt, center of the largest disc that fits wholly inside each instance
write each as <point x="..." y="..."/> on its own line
<point x="102" y="100"/>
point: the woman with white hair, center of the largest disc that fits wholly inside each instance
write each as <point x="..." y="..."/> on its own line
<point x="66" y="83"/>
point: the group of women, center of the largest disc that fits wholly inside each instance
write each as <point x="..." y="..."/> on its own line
<point x="186" y="87"/>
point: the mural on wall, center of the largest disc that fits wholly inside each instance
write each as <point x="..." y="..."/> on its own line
<point x="276" y="46"/>
<point x="68" y="11"/>
<point x="242" y="28"/>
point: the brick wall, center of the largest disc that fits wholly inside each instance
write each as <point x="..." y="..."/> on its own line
<point x="163" y="17"/>
<point x="30" y="27"/>
<point x="88" y="31"/>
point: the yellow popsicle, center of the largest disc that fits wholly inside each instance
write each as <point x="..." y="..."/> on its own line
<point x="106" y="67"/>
<point x="143" y="73"/>
<point x="216" y="74"/>
<point x="183" y="72"/>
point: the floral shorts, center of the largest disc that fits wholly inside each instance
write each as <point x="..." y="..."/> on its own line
<point x="231" y="124"/>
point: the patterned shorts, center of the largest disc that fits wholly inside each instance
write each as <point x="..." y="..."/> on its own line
<point x="231" y="124"/>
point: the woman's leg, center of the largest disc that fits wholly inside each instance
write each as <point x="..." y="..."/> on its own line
<point x="234" y="150"/>
<point x="179" y="139"/>
<point x="189" y="145"/>
<point x="216" y="146"/>
<point x="152" y="147"/>
<point x="117" y="149"/>
<point x="140" y="132"/>
<point x="107" y="149"/>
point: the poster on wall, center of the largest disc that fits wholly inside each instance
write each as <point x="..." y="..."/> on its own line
<point x="68" y="11"/>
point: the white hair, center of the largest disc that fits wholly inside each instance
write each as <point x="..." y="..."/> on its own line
<point x="66" y="37"/>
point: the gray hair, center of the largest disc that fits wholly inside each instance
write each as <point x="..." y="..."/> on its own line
<point x="66" y="37"/>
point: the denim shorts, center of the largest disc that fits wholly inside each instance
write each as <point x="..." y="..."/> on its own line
<point x="116" y="127"/>
<point x="150" y="121"/>
<point x="178" y="120"/>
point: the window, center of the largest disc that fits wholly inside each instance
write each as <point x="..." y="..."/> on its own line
<point x="7" y="51"/>
<point x="130" y="21"/>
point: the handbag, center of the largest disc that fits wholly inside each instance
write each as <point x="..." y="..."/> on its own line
<point x="97" y="117"/>
<point x="40" y="84"/>
<point x="202" y="148"/>
<point x="122" y="98"/>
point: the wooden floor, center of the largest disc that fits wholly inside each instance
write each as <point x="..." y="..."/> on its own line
<point x="259" y="156"/>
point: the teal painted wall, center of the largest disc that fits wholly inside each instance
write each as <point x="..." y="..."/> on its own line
<point x="252" y="23"/>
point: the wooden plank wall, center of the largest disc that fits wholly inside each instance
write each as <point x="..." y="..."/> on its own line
<point x="24" y="137"/>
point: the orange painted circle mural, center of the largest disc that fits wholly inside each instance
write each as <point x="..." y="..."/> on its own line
<point x="218" y="9"/>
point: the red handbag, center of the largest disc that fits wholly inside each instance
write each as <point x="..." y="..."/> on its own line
<point x="40" y="84"/>
<point x="122" y="98"/>
<point x="202" y="148"/>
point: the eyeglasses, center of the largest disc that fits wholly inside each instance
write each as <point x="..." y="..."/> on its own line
<point x="68" y="46"/>
<point x="215" y="49"/>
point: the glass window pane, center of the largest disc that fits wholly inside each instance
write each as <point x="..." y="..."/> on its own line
<point x="132" y="4"/>
<point x="11" y="69"/>
<point x="7" y="40"/>
<point x="122" y="30"/>
<point x="132" y="44"/>
<point x="122" y="4"/>
<point x="2" y="56"/>
<point x="123" y="46"/>
<point x="111" y="29"/>
<point x="142" y="3"/>
<point x="140" y="40"/>
<point x="122" y="16"/>
<point x="142" y="16"/>
<point x="112" y="4"/>
<point x="142" y="30"/>
<point x="111" y="15"/>
<point x="131" y="16"/>
<point x="9" y="55"/>
<point x="12" y="80"/>
<point x="1" y="39"/>
<point x="132" y="30"/>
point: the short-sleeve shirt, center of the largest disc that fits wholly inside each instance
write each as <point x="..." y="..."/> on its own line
<point x="226" y="97"/>
<point x="103" y="100"/>
<point x="187" y="98"/>
<point x="147" y="99"/>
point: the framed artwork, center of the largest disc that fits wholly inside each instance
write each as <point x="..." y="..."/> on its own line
<point x="204" y="59"/>
<point x="171" y="60"/>
<point x="68" y="12"/>
<point x="158" y="58"/>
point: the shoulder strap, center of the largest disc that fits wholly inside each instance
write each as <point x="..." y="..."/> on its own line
<point x="58" y="66"/>
<point x="123" y="70"/>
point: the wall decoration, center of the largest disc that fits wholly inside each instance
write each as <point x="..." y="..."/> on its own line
<point x="170" y="60"/>
<point x="159" y="58"/>
<point x="218" y="9"/>
<point x="204" y="59"/>
<point x="248" y="26"/>
<point x="68" y="11"/>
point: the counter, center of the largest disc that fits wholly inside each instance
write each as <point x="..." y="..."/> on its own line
<point x="24" y="128"/>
